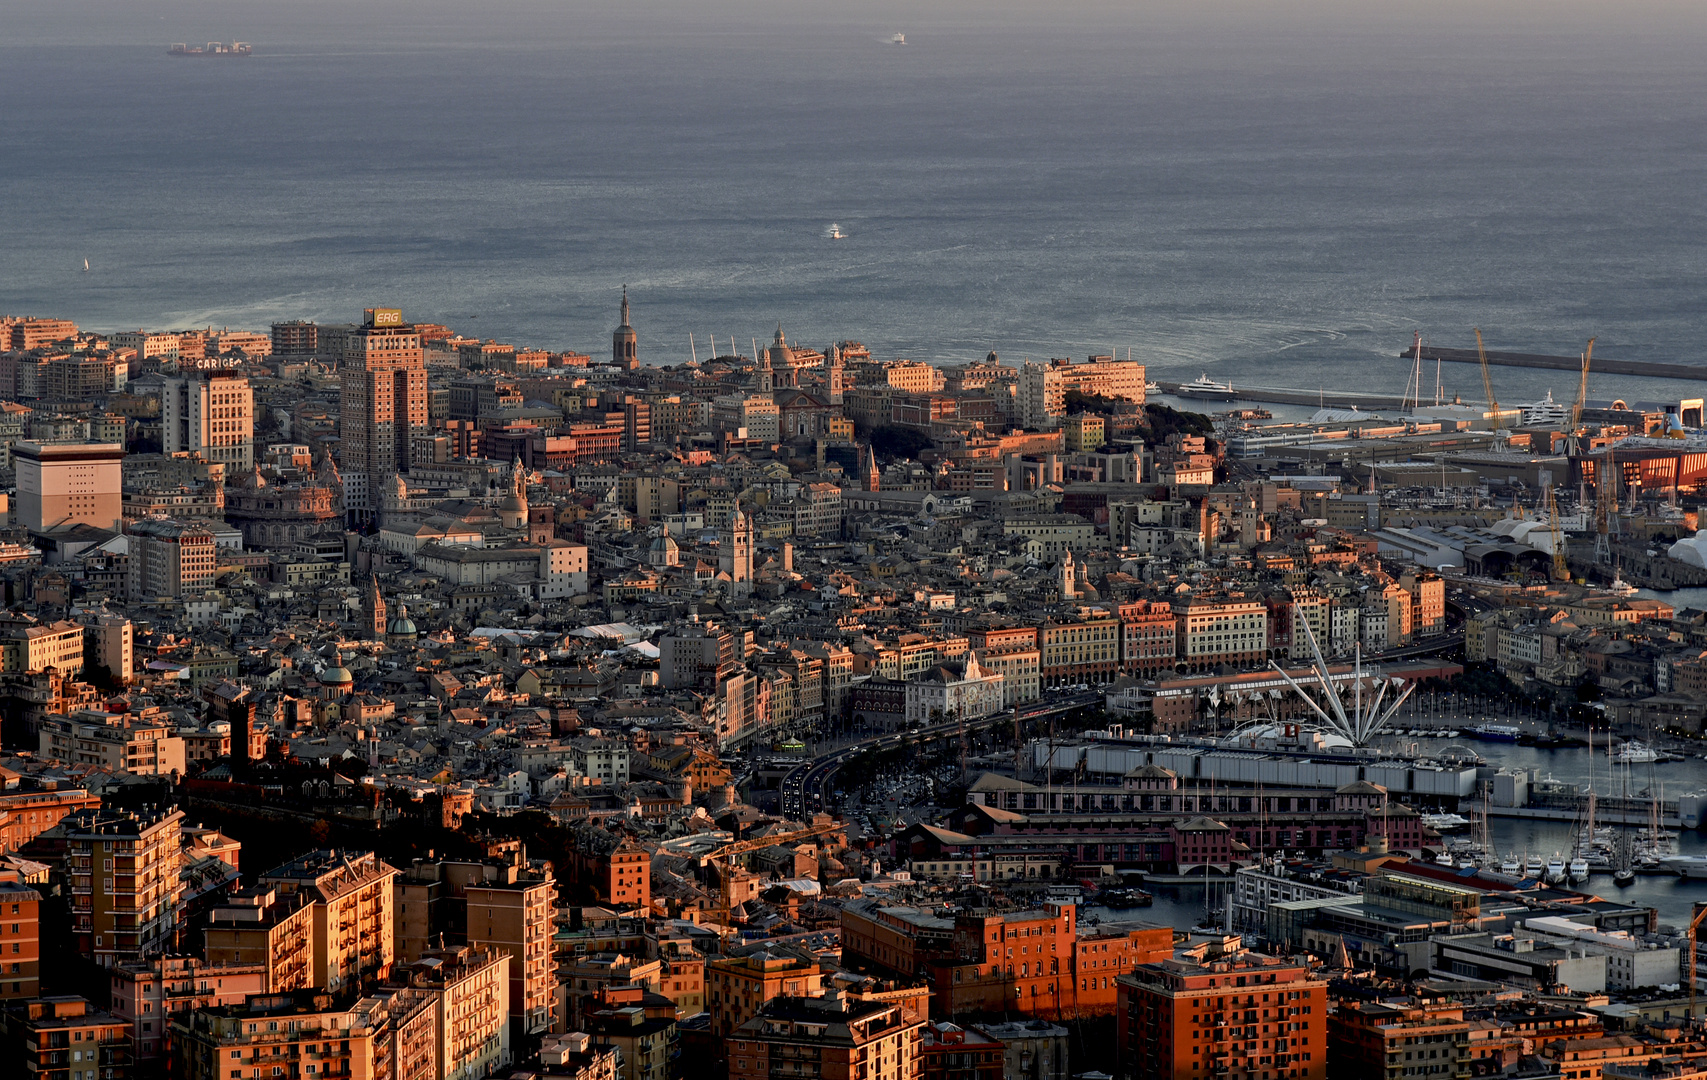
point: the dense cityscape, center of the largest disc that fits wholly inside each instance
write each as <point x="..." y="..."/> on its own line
<point x="383" y="703"/>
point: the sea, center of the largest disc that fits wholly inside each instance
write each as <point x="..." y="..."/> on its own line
<point x="1275" y="193"/>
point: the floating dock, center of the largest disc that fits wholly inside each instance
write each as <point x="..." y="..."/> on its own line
<point x="1639" y="368"/>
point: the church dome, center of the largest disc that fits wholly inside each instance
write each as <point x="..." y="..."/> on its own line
<point x="403" y="626"/>
<point x="337" y="676"/>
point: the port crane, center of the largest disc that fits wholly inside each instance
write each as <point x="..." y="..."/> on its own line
<point x="1582" y="392"/>
<point x="741" y="847"/>
<point x="1698" y="910"/>
<point x="1488" y="384"/>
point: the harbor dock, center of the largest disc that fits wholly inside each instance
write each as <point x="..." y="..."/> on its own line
<point x="1331" y="399"/>
<point x="1639" y="368"/>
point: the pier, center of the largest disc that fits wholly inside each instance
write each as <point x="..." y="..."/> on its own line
<point x="1330" y="399"/>
<point x="1639" y="368"/>
<point x="1602" y="815"/>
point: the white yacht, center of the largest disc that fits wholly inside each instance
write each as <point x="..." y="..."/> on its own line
<point x="1445" y="822"/>
<point x="1686" y="866"/>
<point x="1545" y="413"/>
<point x="1635" y="753"/>
<point x="898" y="39"/>
<point x="1619" y="586"/>
<point x="1577" y="871"/>
<point x="1533" y="866"/>
<point x="836" y="232"/>
<point x="1555" y="870"/>
<point x="1511" y="867"/>
<point x="1208" y="389"/>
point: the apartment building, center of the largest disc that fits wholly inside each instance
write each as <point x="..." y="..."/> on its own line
<point x="121" y="872"/>
<point x="1149" y="638"/>
<point x="828" y="1036"/>
<point x="299" y="1035"/>
<point x="26" y="334"/>
<point x="64" y="1038"/>
<point x="350" y="896"/>
<point x="170" y="559"/>
<point x="149" y="994"/>
<point x="1043" y="388"/>
<point x="737" y="987"/>
<point x="1020" y="669"/>
<point x="1216" y="1010"/>
<point x="516" y="918"/>
<point x="111" y="639"/>
<point x="268" y="929"/>
<point x="33" y="646"/>
<point x="1084" y="649"/>
<point x="24" y="815"/>
<point x="907" y="376"/>
<point x="1376" y="1039"/>
<point x="110" y="741"/>
<point x="211" y="414"/>
<point x="20" y="938"/>
<point x="469" y="990"/>
<point x="1221" y="630"/>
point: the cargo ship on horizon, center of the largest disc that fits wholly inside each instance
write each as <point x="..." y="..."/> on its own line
<point x="213" y="48"/>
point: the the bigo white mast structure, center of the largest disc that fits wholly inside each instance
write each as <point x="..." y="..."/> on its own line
<point x="1360" y="724"/>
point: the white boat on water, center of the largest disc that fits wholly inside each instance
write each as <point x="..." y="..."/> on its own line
<point x="1207" y="389"/>
<point x="1577" y="871"/>
<point x="1636" y="753"/>
<point x="1555" y="872"/>
<point x="836" y="232"/>
<point x="1511" y="867"/>
<point x="1445" y="822"/>
<point x="1533" y="866"/>
<point x="898" y="39"/>
<point x="1686" y="866"/>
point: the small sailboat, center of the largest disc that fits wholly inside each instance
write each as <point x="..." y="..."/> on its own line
<point x="85" y="266"/>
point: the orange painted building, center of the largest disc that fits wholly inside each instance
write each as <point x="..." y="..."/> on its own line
<point x="25" y="815"/>
<point x="20" y="938"/>
<point x="1217" y="1011"/>
<point x="628" y="879"/>
<point x="1039" y="963"/>
<point x="736" y="988"/>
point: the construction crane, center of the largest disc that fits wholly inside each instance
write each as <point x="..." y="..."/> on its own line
<point x="1488" y="383"/>
<point x="1582" y="392"/>
<point x="1561" y="568"/>
<point x="741" y="847"/>
<point x="1697" y="911"/>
